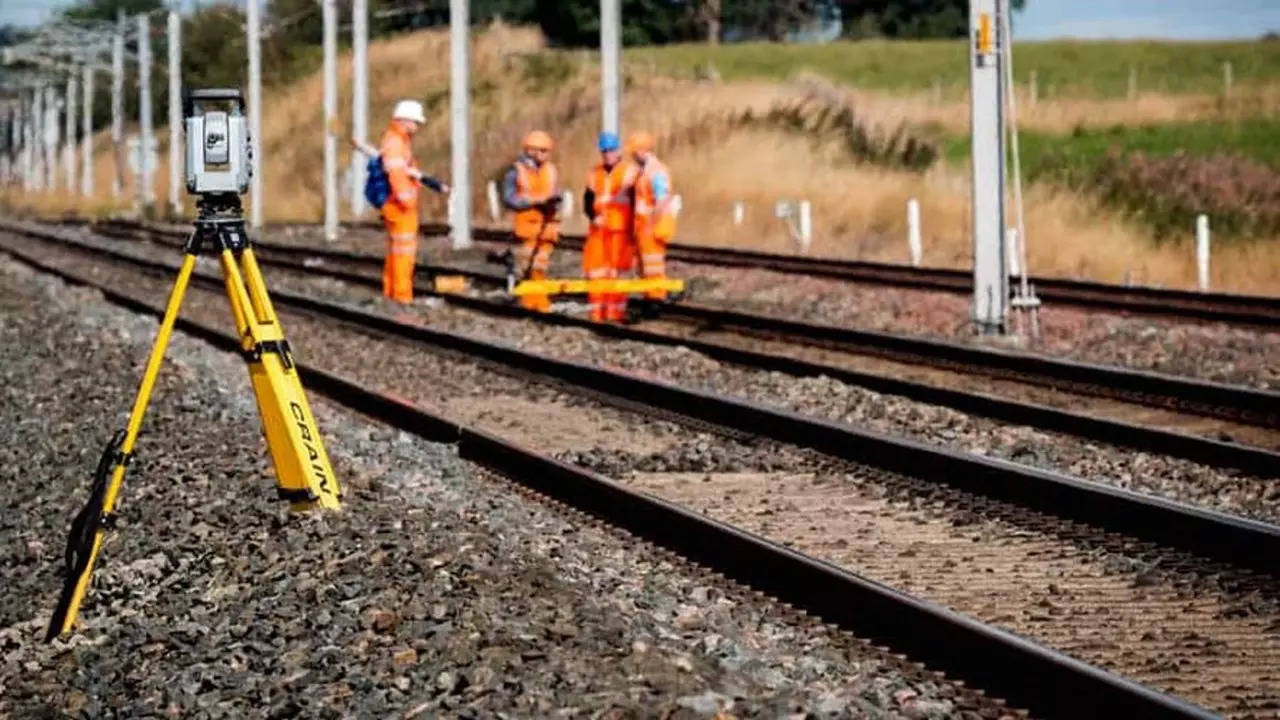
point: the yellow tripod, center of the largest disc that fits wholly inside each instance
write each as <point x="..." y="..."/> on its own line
<point x="303" y="474"/>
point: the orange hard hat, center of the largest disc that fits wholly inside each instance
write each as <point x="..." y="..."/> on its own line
<point x="640" y="142"/>
<point x="537" y="140"/>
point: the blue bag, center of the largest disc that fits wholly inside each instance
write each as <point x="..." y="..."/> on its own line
<point x="377" y="185"/>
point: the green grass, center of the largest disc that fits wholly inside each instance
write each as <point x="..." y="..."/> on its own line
<point x="1255" y="138"/>
<point x="1080" y="69"/>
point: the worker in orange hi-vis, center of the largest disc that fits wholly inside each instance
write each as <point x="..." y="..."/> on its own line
<point x="531" y="190"/>
<point x="655" y="220"/>
<point x="605" y="232"/>
<point x="400" y="212"/>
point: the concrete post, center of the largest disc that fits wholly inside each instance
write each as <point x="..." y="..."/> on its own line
<point x="989" y="310"/>
<point x="610" y="60"/>
<point x="175" y="113"/>
<point x="254" y="43"/>
<point x="330" y="16"/>
<point x="460" y="116"/>
<point x="359" y="98"/>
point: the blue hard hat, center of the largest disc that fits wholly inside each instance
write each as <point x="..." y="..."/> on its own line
<point x="608" y="141"/>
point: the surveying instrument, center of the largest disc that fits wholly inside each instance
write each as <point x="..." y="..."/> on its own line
<point x="218" y="171"/>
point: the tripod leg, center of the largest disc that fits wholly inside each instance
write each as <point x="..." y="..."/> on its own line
<point x="304" y="476"/>
<point x="85" y="539"/>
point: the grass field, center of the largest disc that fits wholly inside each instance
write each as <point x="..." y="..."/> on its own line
<point x="1257" y="138"/>
<point x="1080" y="69"/>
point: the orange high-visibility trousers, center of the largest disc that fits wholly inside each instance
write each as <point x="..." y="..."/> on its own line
<point x="597" y="264"/>
<point x="402" y="252"/>
<point x="651" y="252"/>
<point x="622" y="258"/>
<point x="535" y="254"/>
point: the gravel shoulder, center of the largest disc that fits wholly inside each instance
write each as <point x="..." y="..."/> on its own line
<point x="437" y="591"/>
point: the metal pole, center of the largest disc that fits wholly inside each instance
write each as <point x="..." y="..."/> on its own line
<point x="610" y="100"/>
<point x="175" y="112"/>
<point x="117" y="107"/>
<point x="86" y="130"/>
<point x="914" y="245"/>
<point x="50" y="126"/>
<point x="255" y="114"/>
<point x="146" y="193"/>
<point x="990" y="277"/>
<point x="359" y="98"/>
<point x="460" y="115"/>
<point x="330" y="16"/>
<point x="69" y="132"/>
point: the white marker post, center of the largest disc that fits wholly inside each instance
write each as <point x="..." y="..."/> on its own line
<point x="329" y="13"/>
<point x="254" y="43"/>
<point x="739" y="212"/>
<point x="1202" y="251"/>
<point x="460" y="116"/>
<point x="990" y="306"/>
<point x="913" y="232"/>
<point x="495" y="208"/>
<point x="806" y="226"/>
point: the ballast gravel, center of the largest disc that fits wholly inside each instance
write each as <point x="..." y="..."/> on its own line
<point x="437" y="591"/>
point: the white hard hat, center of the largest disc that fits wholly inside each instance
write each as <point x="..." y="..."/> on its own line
<point x="409" y="110"/>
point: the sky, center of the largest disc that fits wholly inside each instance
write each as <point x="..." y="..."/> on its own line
<point x="1188" y="19"/>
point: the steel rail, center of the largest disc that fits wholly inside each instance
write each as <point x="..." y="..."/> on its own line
<point x="1189" y="395"/>
<point x="1048" y="683"/>
<point x="1258" y="310"/>
<point x="1196" y="448"/>
<point x="1225" y="538"/>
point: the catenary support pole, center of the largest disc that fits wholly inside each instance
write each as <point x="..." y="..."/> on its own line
<point x="359" y="98"/>
<point x="69" y="106"/>
<point x="254" y="42"/>
<point x="117" y="107"/>
<point x="330" y="17"/>
<point x="175" y="112"/>
<point x="86" y="130"/>
<point x="460" y="115"/>
<point x="50" y="126"/>
<point x="610" y="60"/>
<point x="989" y="310"/>
<point x="146" y="179"/>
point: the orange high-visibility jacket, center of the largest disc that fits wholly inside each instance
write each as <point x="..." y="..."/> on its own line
<point x="615" y="202"/>
<point x="397" y="159"/>
<point x="653" y="200"/>
<point x="535" y="184"/>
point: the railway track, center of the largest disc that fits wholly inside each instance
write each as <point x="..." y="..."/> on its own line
<point x="1064" y="516"/>
<point x="1255" y="310"/>
<point x="1160" y="434"/>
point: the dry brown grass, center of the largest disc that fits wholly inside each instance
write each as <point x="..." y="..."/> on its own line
<point x="859" y="211"/>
